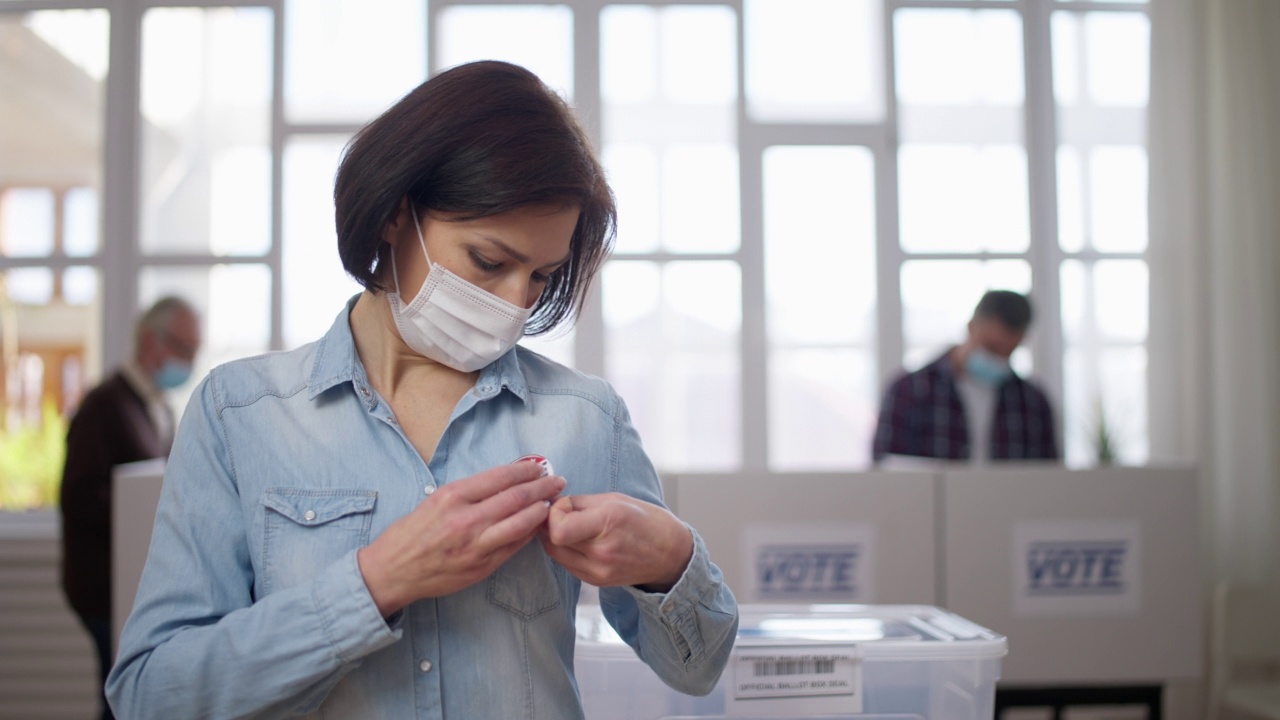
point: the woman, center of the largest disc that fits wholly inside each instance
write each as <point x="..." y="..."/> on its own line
<point x="342" y="532"/>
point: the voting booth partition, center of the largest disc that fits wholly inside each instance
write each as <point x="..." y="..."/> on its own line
<point x="1095" y="577"/>
<point x="818" y="538"/>
<point x="135" y="495"/>
<point x="1092" y="575"/>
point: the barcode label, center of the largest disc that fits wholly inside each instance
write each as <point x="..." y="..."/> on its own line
<point x="794" y="666"/>
<point x="825" y="680"/>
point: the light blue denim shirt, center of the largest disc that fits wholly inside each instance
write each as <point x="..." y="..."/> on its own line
<point x="252" y="604"/>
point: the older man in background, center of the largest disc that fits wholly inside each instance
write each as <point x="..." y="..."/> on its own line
<point x="123" y="419"/>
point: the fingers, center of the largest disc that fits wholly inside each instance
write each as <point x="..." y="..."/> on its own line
<point x="571" y="520"/>
<point x="493" y="481"/>
<point x="519" y="527"/>
<point x="539" y="492"/>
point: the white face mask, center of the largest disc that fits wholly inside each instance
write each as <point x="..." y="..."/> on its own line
<point x="452" y="321"/>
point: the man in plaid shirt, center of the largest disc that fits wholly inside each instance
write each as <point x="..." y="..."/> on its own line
<point x="969" y="404"/>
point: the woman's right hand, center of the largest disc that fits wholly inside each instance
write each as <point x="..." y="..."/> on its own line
<point x="458" y="535"/>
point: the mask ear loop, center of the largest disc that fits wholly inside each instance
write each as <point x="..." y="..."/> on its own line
<point x="395" y="273"/>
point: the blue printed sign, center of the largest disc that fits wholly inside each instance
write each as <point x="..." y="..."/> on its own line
<point x="787" y="571"/>
<point x="1088" y="567"/>
<point x="1081" y="567"/>
<point x="810" y="563"/>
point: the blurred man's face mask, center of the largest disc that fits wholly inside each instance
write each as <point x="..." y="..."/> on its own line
<point x="452" y="321"/>
<point x="986" y="367"/>
<point x="172" y="374"/>
<point x="175" y="371"/>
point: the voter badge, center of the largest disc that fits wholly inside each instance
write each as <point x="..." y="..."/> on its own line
<point x="542" y="462"/>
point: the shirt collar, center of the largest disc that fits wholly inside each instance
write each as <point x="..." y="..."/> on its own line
<point x="337" y="362"/>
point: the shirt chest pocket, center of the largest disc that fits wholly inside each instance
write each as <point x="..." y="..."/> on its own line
<point x="528" y="584"/>
<point x="306" y="530"/>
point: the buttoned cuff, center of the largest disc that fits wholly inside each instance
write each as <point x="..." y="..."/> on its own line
<point x="678" y="608"/>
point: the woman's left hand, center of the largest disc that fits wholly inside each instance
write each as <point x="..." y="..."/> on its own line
<point x="614" y="539"/>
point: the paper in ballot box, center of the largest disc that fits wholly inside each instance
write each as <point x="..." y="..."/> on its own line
<point x="795" y="662"/>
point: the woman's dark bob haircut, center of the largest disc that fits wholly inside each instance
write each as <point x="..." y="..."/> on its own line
<point x="477" y="140"/>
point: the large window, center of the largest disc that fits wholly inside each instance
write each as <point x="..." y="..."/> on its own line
<point x="813" y="193"/>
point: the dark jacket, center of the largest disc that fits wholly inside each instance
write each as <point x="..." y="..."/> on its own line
<point x="111" y="427"/>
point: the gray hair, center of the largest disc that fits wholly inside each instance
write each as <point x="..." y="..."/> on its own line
<point x="156" y="319"/>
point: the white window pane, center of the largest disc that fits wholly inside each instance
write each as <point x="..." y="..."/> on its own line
<point x="963" y="198"/>
<point x="78" y="35"/>
<point x="1071" y="211"/>
<point x="557" y="345"/>
<point x="1075" y="296"/>
<point x="1106" y="302"/>
<point x="819" y="231"/>
<point x="29" y="286"/>
<point x="234" y="305"/>
<point x="700" y="198"/>
<point x="685" y="407"/>
<point x="1105" y="395"/>
<point x="1121" y="299"/>
<point x="80" y="218"/>
<point x="315" y="285"/>
<point x="814" y="60"/>
<point x="671" y="347"/>
<point x="1067" y="57"/>
<point x="383" y="55"/>
<point x="26" y="224"/>
<point x="959" y="57"/>
<point x="632" y="294"/>
<point x="1118" y="198"/>
<point x="1081" y="407"/>
<point x="633" y="175"/>
<point x="239" y="178"/>
<point x="80" y="285"/>
<point x="537" y="37"/>
<point x="1118" y="52"/>
<point x="703" y="304"/>
<point x="628" y="54"/>
<point x="206" y="94"/>
<point x="822" y="409"/>
<point x="938" y="297"/>
<point x="699" y="54"/>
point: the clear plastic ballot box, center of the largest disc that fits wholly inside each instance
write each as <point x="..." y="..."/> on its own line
<point x="794" y="662"/>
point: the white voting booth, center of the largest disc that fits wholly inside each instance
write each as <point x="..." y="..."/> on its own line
<point x="135" y="496"/>
<point x="1093" y="575"/>
<point x="817" y="538"/>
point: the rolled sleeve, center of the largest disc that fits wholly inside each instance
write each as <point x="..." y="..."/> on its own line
<point x="686" y="633"/>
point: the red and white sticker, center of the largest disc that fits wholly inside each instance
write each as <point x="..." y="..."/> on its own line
<point x="542" y="462"/>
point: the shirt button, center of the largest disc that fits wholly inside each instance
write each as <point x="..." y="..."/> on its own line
<point x="425" y="666"/>
<point x="428" y="489"/>
<point x="309" y="515"/>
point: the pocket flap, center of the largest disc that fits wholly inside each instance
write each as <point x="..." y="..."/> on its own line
<point x="317" y="507"/>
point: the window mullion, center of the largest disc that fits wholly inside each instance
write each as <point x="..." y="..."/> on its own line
<point x="889" y="254"/>
<point x="120" y="187"/>
<point x="1044" y="254"/>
